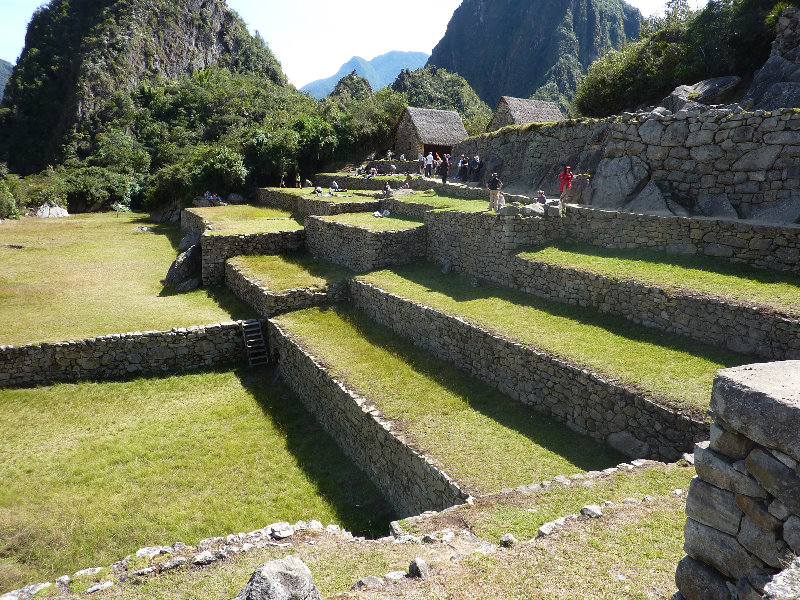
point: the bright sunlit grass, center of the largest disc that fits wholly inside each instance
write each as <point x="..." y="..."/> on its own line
<point x="291" y="271"/>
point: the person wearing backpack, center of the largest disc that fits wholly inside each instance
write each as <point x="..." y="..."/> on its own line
<point x="494" y="185"/>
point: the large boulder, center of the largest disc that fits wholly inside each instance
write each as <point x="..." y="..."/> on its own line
<point x="708" y="91"/>
<point x="780" y="211"/>
<point x="45" y="211"/>
<point x="715" y="205"/>
<point x="186" y="266"/>
<point x="617" y="180"/>
<point x="650" y="201"/>
<point x="284" y="579"/>
<point x="777" y="83"/>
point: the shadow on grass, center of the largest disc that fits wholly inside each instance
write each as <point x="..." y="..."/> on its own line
<point x="317" y="267"/>
<point x="458" y="288"/>
<point x="581" y="451"/>
<point x="360" y="506"/>
<point x="172" y="231"/>
<point x="698" y="262"/>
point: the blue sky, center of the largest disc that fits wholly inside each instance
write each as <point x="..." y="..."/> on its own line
<point x="311" y="38"/>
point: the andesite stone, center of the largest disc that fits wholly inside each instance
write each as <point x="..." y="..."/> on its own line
<point x="775" y="477"/>
<point x="698" y="581"/>
<point x="285" y="579"/>
<point x="720" y="550"/>
<point x="713" y="506"/>
<point x="715" y="469"/>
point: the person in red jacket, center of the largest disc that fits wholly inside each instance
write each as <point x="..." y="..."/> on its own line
<point x="566" y="182"/>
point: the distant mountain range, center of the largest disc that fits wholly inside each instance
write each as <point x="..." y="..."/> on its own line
<point x="5" y="71"/>
<point x="380" y="71"/>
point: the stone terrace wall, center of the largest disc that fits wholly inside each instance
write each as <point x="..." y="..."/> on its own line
<point x="361" y="250"/>
<point x="451" y="189"/>
<point x="481" y="244"/>
<point x="410" y="482"/>
<point x="412" y="210"/>
<point x="219" y="248"/>
<point x="122" y="355"/>
<point x="268" y="303"/>
<point x="586" y="402"/>
<point x="765" y="246"/>
<point x="276" y="198"/>
<point x="741" y="327"/>
<point x="301" y="206"/>
<point x="191" y="221"/>
<point x="743" y="508"/>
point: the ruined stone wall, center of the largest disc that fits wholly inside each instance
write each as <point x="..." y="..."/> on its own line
<point x="741" y="327"/>
<point x="409" y="481"/>
<point x="587" y="403"/>
<point x="218" y="248"/>
<point x="268" y="303"/>
<point x="192" y="222"/>
<point x="122" y="355"/>
<point x="361" y="250"/>
<point x="743" y="507"/>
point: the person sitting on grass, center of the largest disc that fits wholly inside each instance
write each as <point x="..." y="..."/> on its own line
<point x="387" y="190"/>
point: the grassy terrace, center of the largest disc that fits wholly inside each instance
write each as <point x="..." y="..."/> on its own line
<point x="90" y="275"/>
<point x="245" y="219"/>
<point x="778" y="291"/>
<point x="92" y="472"/>
<point x="367" y="221"/>
<point x="291" y="271"/>
<point x="480" y="437"/>
<point x="678" y="372"/>
<point x="440" y="201"/>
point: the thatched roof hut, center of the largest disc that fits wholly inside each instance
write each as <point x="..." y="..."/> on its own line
<point x="515" y="111"/>
<point x="423" y="130"/>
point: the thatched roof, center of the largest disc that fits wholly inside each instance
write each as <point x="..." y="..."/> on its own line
<point x="531" y="111"/>
<point x="436" y="127"/>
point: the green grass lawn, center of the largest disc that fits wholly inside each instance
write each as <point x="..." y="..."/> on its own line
<point x="245" y="219"/>
<point x="279" y="273"/>
<point x="483" y="439"/>
<point x="443" y="201"/>
<point x="367" y="221"/>
<point x="93" y="471"/>
<point x="680" y="272"/>
<point x="89" y="275"/>
<point x="677" y="371"/>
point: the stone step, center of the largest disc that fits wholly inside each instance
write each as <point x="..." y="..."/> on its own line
<point x="645" y="392"/>
<point x="747" y="310"/>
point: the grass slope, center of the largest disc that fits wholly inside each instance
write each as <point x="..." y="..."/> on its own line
<point x="677" y="371"/>
<point x="90" y="275"/>
<point x="91" y="472"/>
<point x="279" y="273"/>
<point x="484" y="440"/>
<point x="741" y="283"/>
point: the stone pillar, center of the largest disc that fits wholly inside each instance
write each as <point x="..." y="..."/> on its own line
<point x="743" y="508"/>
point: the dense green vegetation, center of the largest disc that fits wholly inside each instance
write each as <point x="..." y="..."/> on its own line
<point x="727" y="37"/>
<point x="5" y="73"/>
<point x="432" y="87"/>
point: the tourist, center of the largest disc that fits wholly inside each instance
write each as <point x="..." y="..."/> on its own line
<point x="421" y="161"/>
<point x="540" y="197"/>
<point x="335" y="186"/>
<point x="402" y="158"/>
<point x="566" y="183"/>
<point x="444" y="167"/>
<point x="494" y="185"/>
<point x="387" y="190"/>
<point x="297" y="181"/>
<point x="283" y="180"/>
<point x="429" y="164"/>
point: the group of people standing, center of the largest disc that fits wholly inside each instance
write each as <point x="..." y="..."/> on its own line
<point x="468" y="168"/>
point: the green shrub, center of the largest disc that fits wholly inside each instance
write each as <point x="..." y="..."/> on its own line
<point x="8" y="204"/>
<point x="221" y="170"/>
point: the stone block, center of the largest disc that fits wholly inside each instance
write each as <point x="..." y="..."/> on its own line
<point x="718" y="471"/>
<point x="719" y="550"/>
<point x="775" y="477"/>
<point x="762" y="402"/>
<point x="762" y="544"/>
<point x="697" y="581"/>
<point x="791" y="533"/>
<point x="730" y="444"/>
<point x="758" y="513"/>
<point x="713" y="506"/>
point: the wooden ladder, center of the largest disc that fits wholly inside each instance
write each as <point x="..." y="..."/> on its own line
<point x="257" y="354"/>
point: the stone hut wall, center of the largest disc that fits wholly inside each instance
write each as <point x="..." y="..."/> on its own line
<point x="406" y="138"/>
<point x="587" y="403"/>
<point x="268" y="303"/>
<point x="500" y="118"/>
<point x="409" y="481"/>
<point x="743" y="507"/>
<point x="122" y="355"/>
<point x="361" y="250"/>
<point x="744" y="328"/>
<point x="219" y="248"/>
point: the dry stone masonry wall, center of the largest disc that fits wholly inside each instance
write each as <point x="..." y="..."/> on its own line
<point x="192" y="222"/>
<point x="741" y="327"/>
<point x="362" y="250"/>
<point x="409" y="481"/>
<point x="122" y="355"/>
<point x="268" y="303"/>
<point x="219" y="248"/>
<point x="743" y="508"/>
<point x="301" y="206"/>
<point x="589" y="404"/>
